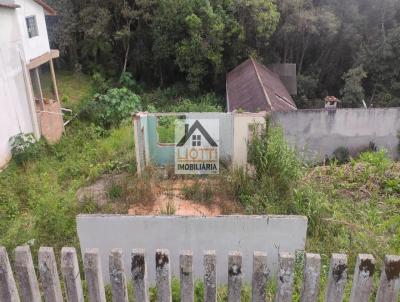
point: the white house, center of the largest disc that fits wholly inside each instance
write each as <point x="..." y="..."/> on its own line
<point x="24" y="50"/>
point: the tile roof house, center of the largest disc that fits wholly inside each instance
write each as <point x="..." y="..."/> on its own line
<point x="252" y="87"/>
<point x="24" y="54"/>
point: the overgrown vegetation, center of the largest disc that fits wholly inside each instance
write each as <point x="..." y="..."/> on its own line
<point x="351" y="207"/>
<point x="346" y="48"/>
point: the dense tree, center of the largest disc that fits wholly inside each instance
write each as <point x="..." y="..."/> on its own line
<point x="196" y="42"/>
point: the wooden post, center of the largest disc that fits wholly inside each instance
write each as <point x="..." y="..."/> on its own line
<point x="285" y="277"/>
<point x="39" y="87"/>
<point x="234" y="276"/>
<point x="337" y="278"/>
<point x="362" y="280"/>
<point x="8" y="288"/>
<point x="48" y="275"/>
<point x="139" y="275"/>
<point x="93" y="275"/>
<point x="71" y="275"/>
<point x="53" y="78"/>
<point x="186" y="276"/>
<point x="210" y="276"/>
<point x="312" y="269"/>
<point x="26" y="276"/>
<point x="260" y="276"/>
<point x="390" y="276"/>
<point x="163" y="276"/>
<point x="117" y="276"/>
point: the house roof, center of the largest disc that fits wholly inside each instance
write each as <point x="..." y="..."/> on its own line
<point x="48" y="9"/>
<point x="6" y="4"/>
<point x="253" y="87"/>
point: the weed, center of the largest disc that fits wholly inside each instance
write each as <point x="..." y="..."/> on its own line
<point x="198" y="191"/>
<point x="341" y="155"/>
<point x="115" y="191"/>
<point x="168" y="209"/>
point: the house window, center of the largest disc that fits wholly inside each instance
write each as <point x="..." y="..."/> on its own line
<point x="196" y="140"/>
<point x="31" y="25"/>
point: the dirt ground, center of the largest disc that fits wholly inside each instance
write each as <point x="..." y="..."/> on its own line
<point x="173" y="196"/>
<point x="170" y="196"/>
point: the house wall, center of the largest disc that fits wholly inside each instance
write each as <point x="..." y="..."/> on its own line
<point x="318" y="133"/>
<point x="15" y="111"/>
<point x="176" y="233"/>
<point x="240" y="136"/>
<point x="39" y="45"/>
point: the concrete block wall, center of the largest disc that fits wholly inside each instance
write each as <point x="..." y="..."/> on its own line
<point x="198" y="234"/>
<point x="318" y="133"/>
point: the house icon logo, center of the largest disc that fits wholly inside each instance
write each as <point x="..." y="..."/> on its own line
<point x="197" y="150"/>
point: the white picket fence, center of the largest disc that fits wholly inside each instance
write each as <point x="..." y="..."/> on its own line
<point x="28" y="289"/>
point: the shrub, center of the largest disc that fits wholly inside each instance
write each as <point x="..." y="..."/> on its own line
<point x="110" y="109"/>
<point x="100" y="83"/>
<point x="341" y="154"/>
<point x="126" y="80"/>
<point x="24" y="148"/>
<point x="277" y="169"/>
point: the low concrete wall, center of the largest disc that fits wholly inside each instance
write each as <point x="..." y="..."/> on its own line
<point x="270" y="234"/>
<point x="320" y="132"/>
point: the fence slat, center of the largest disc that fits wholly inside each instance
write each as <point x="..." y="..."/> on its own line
<point x="210" y="276"/>
<point x="8" y="288"/>
<point x="312" y="269"/>
<point x="337" y="278"/>
<point x="163" y="276"/>
<point x="26" y="276"/>
<point x="117" y="276"/>
<point x="260" y="276"/>
<point x="285" y="277"/>
<point x="71" y="274"/>
<point x="48" y="275"/>
<point x="388" y="291"/>
<point x="234" y="276"/>
<point x="362" y="280"/>
<point x="186" y="276"/>
<point x="93" y="275"/>
<point x="139" y="275"/>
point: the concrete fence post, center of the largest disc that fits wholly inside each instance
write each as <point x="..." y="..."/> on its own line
<point x="285" y="277"/>
<point x="186" y="276"/>
<point x="390" y="276"/>
<point x="312" y="269"/>
<point x="234" y="276"/>
<point x="362" y="279"/>
<point x="260" y="276"/>
<point x="8" y="288"/>
<point x="210" y="276"/>
<point x="93" y="275"/>
<point x="26" y="276"/>
<point x="48" y="275"/>
<point x="71" y="275"/>
<point x="117" y="276"/>
<point x="337" y="278"/>
<point x="163" y="276"/>
<point x="139" y="275"/>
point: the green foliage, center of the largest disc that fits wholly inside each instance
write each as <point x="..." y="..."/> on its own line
<point x="110" y="109"/>
<point x="353" y="92"/>
<point x="24" y="148"/>
<point x="341" y="154"/>
<point x="100" y="83"/>
<point x="277" y="168"/>
<point x="128" y="81"/>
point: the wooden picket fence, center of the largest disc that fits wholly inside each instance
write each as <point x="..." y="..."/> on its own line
<point x="29" y="291"/>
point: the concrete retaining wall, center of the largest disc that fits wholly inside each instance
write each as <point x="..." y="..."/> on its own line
<point x="224" y="234"/>
<point x="320" y="132"/>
